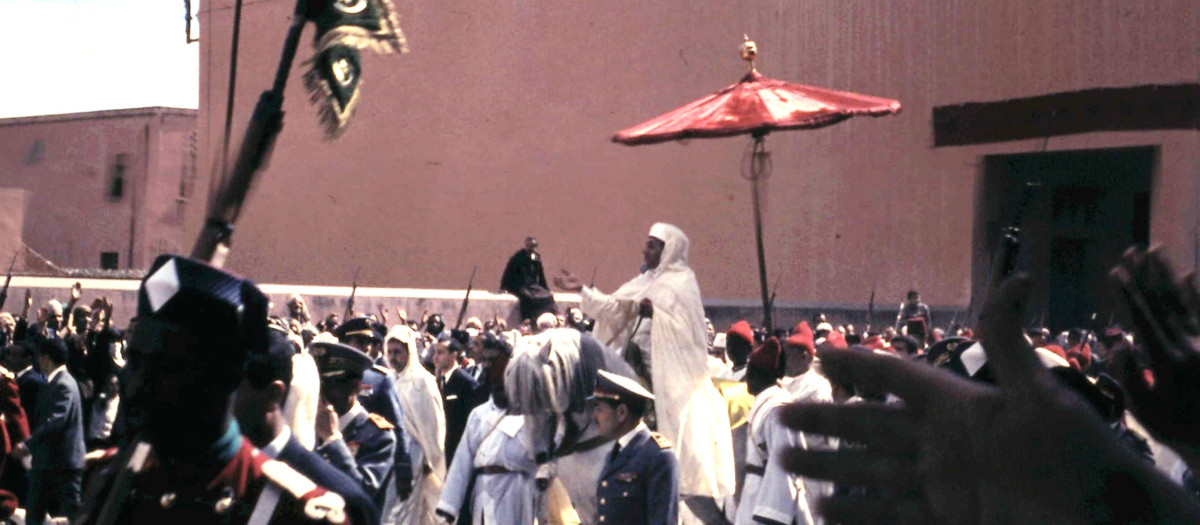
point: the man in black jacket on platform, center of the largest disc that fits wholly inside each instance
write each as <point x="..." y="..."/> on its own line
<point x="525" y="278"/>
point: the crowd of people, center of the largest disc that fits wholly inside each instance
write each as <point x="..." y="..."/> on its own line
<point x="628" y="408"/>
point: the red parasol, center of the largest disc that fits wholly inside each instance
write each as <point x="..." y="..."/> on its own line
<point x="756" y="105"/>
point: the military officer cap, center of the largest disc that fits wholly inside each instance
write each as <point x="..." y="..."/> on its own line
<point x="336" y="360"/>
<point x="619" y="389"/>
<point x="358" y="326"/>
<point x="186" y="306"/>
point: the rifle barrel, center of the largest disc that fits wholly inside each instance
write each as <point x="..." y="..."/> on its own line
<point x="462" y="311"/>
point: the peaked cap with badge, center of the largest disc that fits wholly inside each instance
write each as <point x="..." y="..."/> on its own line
<point x="359" y="326"/>
<point x="339" y="360"/>
<point x="619" y="389"/>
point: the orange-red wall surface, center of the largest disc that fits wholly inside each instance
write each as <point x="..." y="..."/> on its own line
<point x="497" y="126"/>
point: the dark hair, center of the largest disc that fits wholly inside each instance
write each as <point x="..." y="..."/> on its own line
<point x="1076" y="334"/>
<point x="452" y="345"/>
<point x="26" y="347"/>
<point x="490" y="341"/>
<point x="913" y="293"/>
<point x="909" y="341"/>
<point x="54" y="349"/>
<point x="274" y="364"/>
<point x="636" y="409"/>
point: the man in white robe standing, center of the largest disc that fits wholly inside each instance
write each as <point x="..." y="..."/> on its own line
<point x="807" y="385"/>
<point x="772" y="495"/>
<point x="424" y="425"/>
<point x="661" y="312"/>
<point x="493" y="469"/>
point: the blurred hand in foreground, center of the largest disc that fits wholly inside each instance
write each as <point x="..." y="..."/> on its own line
<point x="956" y="451"/>
<point x="1166" y="316"/>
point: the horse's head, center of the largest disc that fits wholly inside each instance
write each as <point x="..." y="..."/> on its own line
<point x="541" y="376"/>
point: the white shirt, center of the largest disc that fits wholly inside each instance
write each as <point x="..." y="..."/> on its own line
<point x="350" y="415"/>
<point x="446" y="376"/>
<point x="55" y="373"/>
<point x="624" y="440"/>
<point x="276" y="445"/>
<point x="493" y="438"/>
<point x="25" y="371"/>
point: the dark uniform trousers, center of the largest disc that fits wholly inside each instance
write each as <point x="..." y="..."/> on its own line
<point x="640" y="485"/>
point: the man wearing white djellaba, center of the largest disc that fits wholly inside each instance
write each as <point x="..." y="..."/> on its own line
<point x="661" y="313"/>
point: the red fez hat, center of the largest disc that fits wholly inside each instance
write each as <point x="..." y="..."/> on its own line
<point x="766" y="357"/>
<point x="742" y="329"/>
<point x="8" y="504"/>
<point x="836" y="341"/>
<point x="802" y="336"/>
<point x="1057" y="350"/>
<point x="874" y="342"/>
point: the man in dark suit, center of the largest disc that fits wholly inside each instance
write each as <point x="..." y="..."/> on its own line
<point x="19" y="359"/>
<point x="640" y="480"/>
<point x="56" y="442"/>
<point x="460" y="393"/>
<point x="258" y="409"/>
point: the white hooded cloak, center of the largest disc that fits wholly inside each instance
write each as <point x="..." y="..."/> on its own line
<point x="424" y="424"/>
<point x="689" y="409"/>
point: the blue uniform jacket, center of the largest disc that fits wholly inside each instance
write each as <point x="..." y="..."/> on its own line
<point x="358" y="503"/>
<point x="365" y="453"/>
<point x="640" y="485"/>
<point x="377" y="393"/>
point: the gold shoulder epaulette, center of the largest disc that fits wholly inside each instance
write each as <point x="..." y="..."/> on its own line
<point x="660" y="440"/>
<point x="381" y="422"/>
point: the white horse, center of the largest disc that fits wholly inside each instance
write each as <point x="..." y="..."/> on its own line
<point x="548" y="380"/>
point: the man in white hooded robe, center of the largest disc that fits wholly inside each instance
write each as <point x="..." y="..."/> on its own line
<point x="424" y="425"/>
<point x="660" y="310"/>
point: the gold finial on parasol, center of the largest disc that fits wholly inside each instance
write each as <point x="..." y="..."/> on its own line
<point x="749" y="51"/>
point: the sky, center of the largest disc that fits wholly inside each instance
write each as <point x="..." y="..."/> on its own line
<point x="87" y="55"/>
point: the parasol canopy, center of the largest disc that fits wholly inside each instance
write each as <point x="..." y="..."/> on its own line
<point x="756" y="105"/>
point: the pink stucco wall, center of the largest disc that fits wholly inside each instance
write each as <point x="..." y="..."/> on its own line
<point x="496" y="126"/>
<point x="66" y="163"/>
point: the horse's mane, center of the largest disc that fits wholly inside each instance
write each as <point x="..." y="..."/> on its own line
<point x="556" y="371"/>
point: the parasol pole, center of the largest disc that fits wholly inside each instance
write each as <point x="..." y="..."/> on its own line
<point x="760" y="169"/>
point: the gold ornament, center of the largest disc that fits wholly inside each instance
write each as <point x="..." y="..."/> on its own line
<point x="749" y="51"/>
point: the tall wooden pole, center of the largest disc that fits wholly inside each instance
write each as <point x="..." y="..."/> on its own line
<point x="760" y="169"/>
